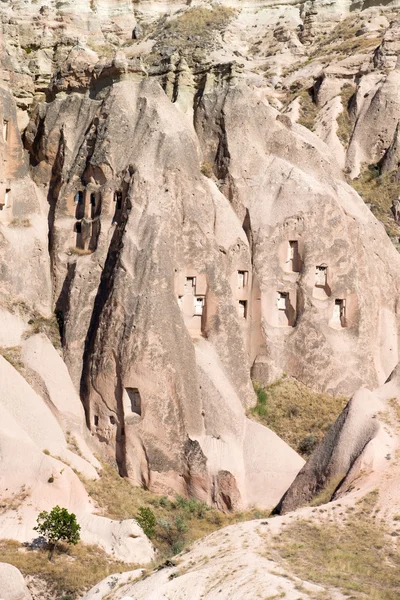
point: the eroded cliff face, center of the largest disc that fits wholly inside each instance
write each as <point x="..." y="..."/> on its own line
<point x="198" y="236"/>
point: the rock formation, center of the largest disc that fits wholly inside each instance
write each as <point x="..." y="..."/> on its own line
<point x="12" y="584"/>
<point x="176" y="204"/>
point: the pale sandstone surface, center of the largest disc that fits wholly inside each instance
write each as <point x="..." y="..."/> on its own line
<point x="31" y="480"/>
<point x="359" y="451"/>
<point x="230" y="564"/>
<point x="12" y="584"/>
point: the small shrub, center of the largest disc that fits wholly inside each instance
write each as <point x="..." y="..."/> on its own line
<point x="261" y="409"/>
<point x="147" y="521"/>
<point x="206" y="169"/>
<point x="172" y="531"/>
<point x="50" y="479"/>
<point x="307" y="445"/>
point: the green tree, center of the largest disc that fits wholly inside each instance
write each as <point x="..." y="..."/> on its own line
<point x="58" y="525"/>
<point x="147" y="521"/>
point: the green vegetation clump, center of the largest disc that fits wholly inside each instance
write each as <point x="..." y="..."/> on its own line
<point x="57" y="526"/>
<point x="300" y="416"/>
<point x="171" y="524"/>
<point x="378" y="192"/>
<point x="357" y="556"/>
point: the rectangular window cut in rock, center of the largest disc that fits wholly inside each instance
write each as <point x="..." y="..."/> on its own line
<point x="339" y="313"/>
<point x="293" y="258"/>
<point x="5" y="130"/>
<point x="190" y="285"/>
<point x="283" y="300"/>
<point x="135" y="400"/>
<point x="96" y="420"/>
<point x="198" y="305"/>
<point x="321" y="275"/>
<point x="242" y="279"/>
<point x="112" y="420"/>
<point x="242" y="309"/>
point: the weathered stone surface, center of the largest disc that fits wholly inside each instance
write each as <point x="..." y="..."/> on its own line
<point x="12" y="584"/>
<point x="189" y="235"/>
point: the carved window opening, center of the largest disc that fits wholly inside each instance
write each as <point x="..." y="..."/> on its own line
<point x="112" y="420"/>
<point x="6" y="130"/>
<point x="339" y="313"/>
<point x="135" y="400"/>
<point x="321" y="276"/>
<point x="242" y="309"/>
<point x="293" y="257"/>
<point x="198" y="305"/>
<point x="242" y="279"/>
<point x="283" y="301"/>
<point x="190" y="285"/>
<point x="96" y="420"/>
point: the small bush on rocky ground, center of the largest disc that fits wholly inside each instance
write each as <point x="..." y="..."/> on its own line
<point x="192" y="33"/>
<point x="172" y="524"/>
<point x="355" y="553"/>
<point x="378" y="192"/>
<point x="300" y="416"/>
<point x="308" y="109"/>
<point x="75" y="570"/>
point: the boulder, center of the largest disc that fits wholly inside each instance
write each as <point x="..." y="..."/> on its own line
<point x="12" y="584"/>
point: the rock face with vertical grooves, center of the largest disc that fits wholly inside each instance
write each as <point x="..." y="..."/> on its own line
<point x="158" y="196"/>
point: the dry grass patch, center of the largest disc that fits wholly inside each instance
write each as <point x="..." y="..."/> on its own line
<point x="192" y="33"/>
<point x="14" y="501"/>
<point x="356" y="555"/>
<point x="300" y="416"/>
<point x="19" y="222"/>
<point x="308" y="109"/>
<point x="184" y="520"/>
<point x="343" y="40"/>
<point x="13" y="355"/>
<point x="345" y="123"/>
<point x="378" y="192"/>
<point x="74" y="570"/>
